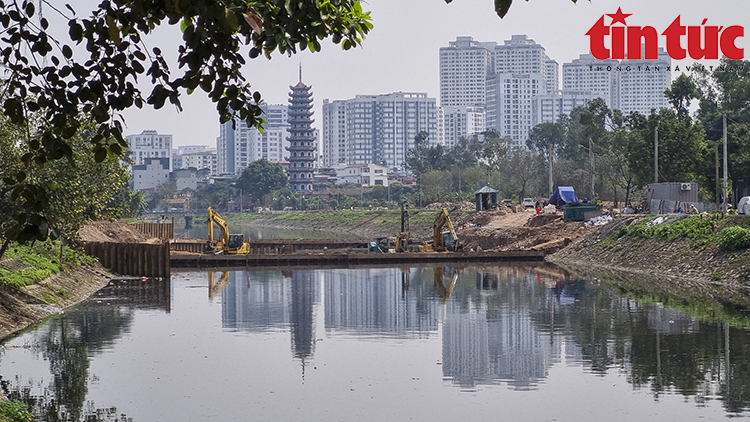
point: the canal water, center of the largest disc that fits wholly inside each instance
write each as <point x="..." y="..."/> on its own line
<point x="510" y="343"/>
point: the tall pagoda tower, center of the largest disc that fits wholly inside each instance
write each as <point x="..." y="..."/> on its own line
<point x="303" y="151"/>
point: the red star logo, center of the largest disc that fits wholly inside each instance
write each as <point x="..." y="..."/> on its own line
<point x="618" y="17"/>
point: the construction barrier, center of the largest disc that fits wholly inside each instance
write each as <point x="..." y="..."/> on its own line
<point x="135" y="259"/>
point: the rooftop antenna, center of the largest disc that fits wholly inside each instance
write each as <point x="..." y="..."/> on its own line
<point x="300" y="72"/>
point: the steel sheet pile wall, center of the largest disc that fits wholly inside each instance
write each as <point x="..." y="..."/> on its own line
<point x="136" y="259"/>
<point x="158" y="230"/>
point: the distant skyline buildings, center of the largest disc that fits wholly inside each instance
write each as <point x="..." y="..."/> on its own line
<point x="508" y="87"/>
<point x="240" y="145"/>
<point x="518" y="84"/>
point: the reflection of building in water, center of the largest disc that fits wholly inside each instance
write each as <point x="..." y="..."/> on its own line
<point x="304" y="296"/>
<point x="372" y="301"/>
<point x="671" y="321"/>
<point x="465" y="345"/>
<point x="257" y="305"/>
<point x="272" y="300"/>
<point x="139" y="293"/>
<point x="502" y="340"/>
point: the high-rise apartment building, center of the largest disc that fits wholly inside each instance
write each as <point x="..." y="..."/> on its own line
<point x="548" y="108"/>
<point x="464" y="67"/>
<point x="376" y="128"/>
<point x="521" y="54"/>
<point x="474" y="73"/>
<point x="334" y="133"/>
<point x="642" y="84"/>
<point x="627" y="85"/>
<point x="460" y="121"/>
<point x="150" y="144"/>
<point x="512" y="105"/>
<point x="201" y="160"/>
<point x="239" y="146"/>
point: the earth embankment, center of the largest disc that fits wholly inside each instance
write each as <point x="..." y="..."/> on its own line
<point x="30" y="305"/>
<point x="687" y="264"/>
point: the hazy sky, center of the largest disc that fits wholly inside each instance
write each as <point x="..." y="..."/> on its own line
<point x="401" y="52"/>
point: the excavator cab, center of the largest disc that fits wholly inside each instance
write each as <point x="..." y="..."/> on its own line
<point x="236" y="241"/>
<point x="449" y="241"/>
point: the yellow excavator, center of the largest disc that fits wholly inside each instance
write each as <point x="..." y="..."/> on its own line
<point x="229" y="243"/>
<point x="444" y="237"/>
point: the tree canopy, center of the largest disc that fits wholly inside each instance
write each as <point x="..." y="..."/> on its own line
<point x="54" y="86"/>
<point x="261" y="178"/>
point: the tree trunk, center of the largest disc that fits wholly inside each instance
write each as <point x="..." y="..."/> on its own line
<point x="4" y="248"/>
<point x="549" y="158"/>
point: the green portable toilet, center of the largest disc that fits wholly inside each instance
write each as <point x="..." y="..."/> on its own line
<point x="486" y="198"/>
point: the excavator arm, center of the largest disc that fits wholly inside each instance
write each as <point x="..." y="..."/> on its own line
<point x="444" y="239"/>
<point x="215" y="217"/>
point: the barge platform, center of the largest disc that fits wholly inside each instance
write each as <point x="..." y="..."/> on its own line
<point x="345" y="259"/>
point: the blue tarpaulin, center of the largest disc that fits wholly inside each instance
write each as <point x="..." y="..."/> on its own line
<point x="563" y="195"/>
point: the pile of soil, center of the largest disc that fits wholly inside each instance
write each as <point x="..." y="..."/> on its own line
<point x="111" y="231"/>
<point x="497" y="230"/>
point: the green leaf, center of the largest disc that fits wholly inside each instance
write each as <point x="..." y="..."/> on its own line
<point x="502" y="6"/>
<point x="184" y="25"/>
<point x="231" y="19"/>
<point x="100" y="154"/>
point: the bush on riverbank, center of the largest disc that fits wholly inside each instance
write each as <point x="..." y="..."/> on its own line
<point x="34" y="262"/>
<point x="11" y="411"/>
<point x="702" y="230"/>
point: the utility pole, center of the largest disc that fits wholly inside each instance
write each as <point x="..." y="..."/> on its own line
<point x="593" y="175"/>
<point x="726" y="175"/>
<point x="549" y="158"/>
<point x="718" y="192"/>
<point x="656" y="154"/>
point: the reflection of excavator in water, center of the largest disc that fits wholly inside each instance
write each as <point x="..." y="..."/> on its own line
<point x="216" y="288"/>
<point x="444" y="292"/>
<point x="229" y="243"/>
<point x="444" y="236"/>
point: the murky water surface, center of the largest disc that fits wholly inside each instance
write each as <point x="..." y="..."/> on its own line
<point x="511" y="343"/>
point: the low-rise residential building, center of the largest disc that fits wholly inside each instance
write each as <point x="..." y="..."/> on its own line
<point x="186" y="178"/>
<point x="363" y="175"/>
<point x="151" y="174"/>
